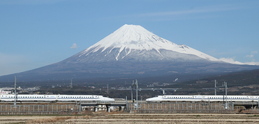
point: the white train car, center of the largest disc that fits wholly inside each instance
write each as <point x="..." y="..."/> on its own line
<point x="212" y="98"/>
<point x="52" y="98"/>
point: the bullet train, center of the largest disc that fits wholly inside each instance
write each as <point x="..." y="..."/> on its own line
<point x="212" y="98"/>
<point x="53" y="98"/>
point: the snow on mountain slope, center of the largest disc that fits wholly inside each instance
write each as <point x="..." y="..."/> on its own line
<point x="132" y="52"/>
<point x="130" y="38"/>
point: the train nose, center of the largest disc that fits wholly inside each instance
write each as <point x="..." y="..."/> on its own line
<point x="150" y="99"/>
<point x="109" y="99"/>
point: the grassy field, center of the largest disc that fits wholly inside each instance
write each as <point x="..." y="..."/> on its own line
<point x="123" y="118"/>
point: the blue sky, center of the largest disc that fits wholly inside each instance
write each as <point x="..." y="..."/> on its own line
<point x="35" y="33"/>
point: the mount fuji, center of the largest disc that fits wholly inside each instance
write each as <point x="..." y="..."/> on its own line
<point x="135" y="43"/>
<point x="129" y="52"/>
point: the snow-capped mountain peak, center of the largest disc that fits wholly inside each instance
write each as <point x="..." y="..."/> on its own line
<point x="129" y="53"/>
<point x="134" y="37"/>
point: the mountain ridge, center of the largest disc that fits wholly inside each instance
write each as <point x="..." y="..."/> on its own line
<point x="129" y="52"/>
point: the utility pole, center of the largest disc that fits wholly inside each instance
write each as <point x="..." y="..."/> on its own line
<point x="225" y="99"/>
<point x="15" y="93"/>
<point x="132" y="89"/>
<point x="136" y="83"/>
<point x="226" y="93"/>
<point x="215" y="87"/>
<point x="131" y="92"/>
<point x="136" y="86"/>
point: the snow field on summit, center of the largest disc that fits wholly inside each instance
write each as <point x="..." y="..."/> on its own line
<point x="135" y="37"/>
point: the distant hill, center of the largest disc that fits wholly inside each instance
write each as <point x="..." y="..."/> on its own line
<point x="243" y="82"/>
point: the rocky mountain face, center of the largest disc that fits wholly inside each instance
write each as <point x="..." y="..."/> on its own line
<point x="132" y="51"/>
